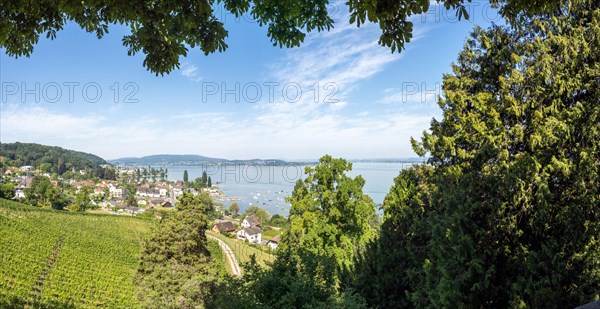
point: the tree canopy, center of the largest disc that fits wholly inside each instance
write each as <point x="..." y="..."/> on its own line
<point x="200" y="182"/>
<point x="7" y="190"/>
<point x="165" y="30"/>
<point x="42" y="193"/>
<point x="234" y="208"/>
<point x="328" y="226"/>
<point x="176" y="269"/>
<point x="50" y="159"/>
<point x="506" y="212"/>
<point x="278" y="221"/>
<point x="82" y="200"/>
<point x="260" y="214"/>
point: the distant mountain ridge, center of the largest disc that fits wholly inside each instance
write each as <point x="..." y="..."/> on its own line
<point x="189" y="159"/>
<point x="165" y="158"/>
<point x="168" y="159"/>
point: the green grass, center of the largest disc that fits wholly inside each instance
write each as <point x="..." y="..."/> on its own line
<point x="218" y="256"/>
<point x="272" y="233"/>
<point x="60" y="259"/>
<point x="243" y="250"/>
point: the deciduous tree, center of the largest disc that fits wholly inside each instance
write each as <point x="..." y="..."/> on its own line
<point x="82" y="200"/>
<point x="234" y="208"/>
<point x="260" y="214"/>
<point x="329" y="225"/>
<point x="7" y="190"/>
<point x="278" y="220"/>
<point x="164" y="30"/>
<point x="41" y="193"/>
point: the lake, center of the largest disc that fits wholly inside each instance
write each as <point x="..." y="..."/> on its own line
<point x="267" y="186"/>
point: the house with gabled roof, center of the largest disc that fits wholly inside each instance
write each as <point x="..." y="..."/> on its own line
<point x="252" y="235"/>
<point x="273" y="243"/>
<point x="250" y="221"/>
<point x="223" y="227"/>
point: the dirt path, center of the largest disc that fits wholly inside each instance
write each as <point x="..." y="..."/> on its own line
<point x="230" y="256"/>
<point x="36" y="293"/>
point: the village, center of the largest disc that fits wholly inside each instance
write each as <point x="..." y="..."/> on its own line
<point x="109" y="195"/>
<point x="135" y="196"/>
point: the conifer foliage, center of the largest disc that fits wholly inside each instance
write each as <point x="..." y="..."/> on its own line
<point x="176" y="269"/>
<point x="508" y="212"/>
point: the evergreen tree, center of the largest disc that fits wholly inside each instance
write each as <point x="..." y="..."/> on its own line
<point x="508" y="214"/>
<point x="209" y="182"/>
<point x="60" y="167"/>
<point x="185" y="176"/>
<point x="176" y="270"/>
<point x="163" y="174"/>
<point x="517" y="162"/>
<point x="129" y="194"/>
<point x="204" y="179"/>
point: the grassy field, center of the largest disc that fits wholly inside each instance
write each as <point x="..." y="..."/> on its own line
<point x="243" y="251"/>
<point x="272" y="233"/>
<point x="59" y="259"/>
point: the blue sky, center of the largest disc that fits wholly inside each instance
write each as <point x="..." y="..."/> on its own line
<point x="240" y="104"/>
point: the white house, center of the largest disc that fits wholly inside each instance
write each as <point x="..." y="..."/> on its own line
<point x="252" y="235"/>
<point x="114" y="191"/>
<point x="177" y="190"/>
<point x="99" y="191"/>
<point x="250" y="221"/>
<point x="273" y="243"/>
<point x="148" y="192"/>
<point x="163" y="191"/>
<point x="20" y="191"/>
<point x="20" y="188"/>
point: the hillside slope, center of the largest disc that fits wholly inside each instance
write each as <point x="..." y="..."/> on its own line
<point x="57" y="259"/>
<point x="59" y="159"/>
<point x="60" y="259"/>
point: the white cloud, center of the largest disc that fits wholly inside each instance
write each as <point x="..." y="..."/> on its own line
<point x="190" y="71"/>
<point x="344" y="57"/>
<point x="215" y="134"/>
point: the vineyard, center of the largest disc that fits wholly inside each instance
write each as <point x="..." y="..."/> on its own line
<point x="58" y="259"/>
<point x="243" y="251"/>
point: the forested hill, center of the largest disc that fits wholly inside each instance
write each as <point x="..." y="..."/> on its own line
<point x="170" y="159"/>
<point x="50" y="158"/>
<point x="166" y="159"/>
